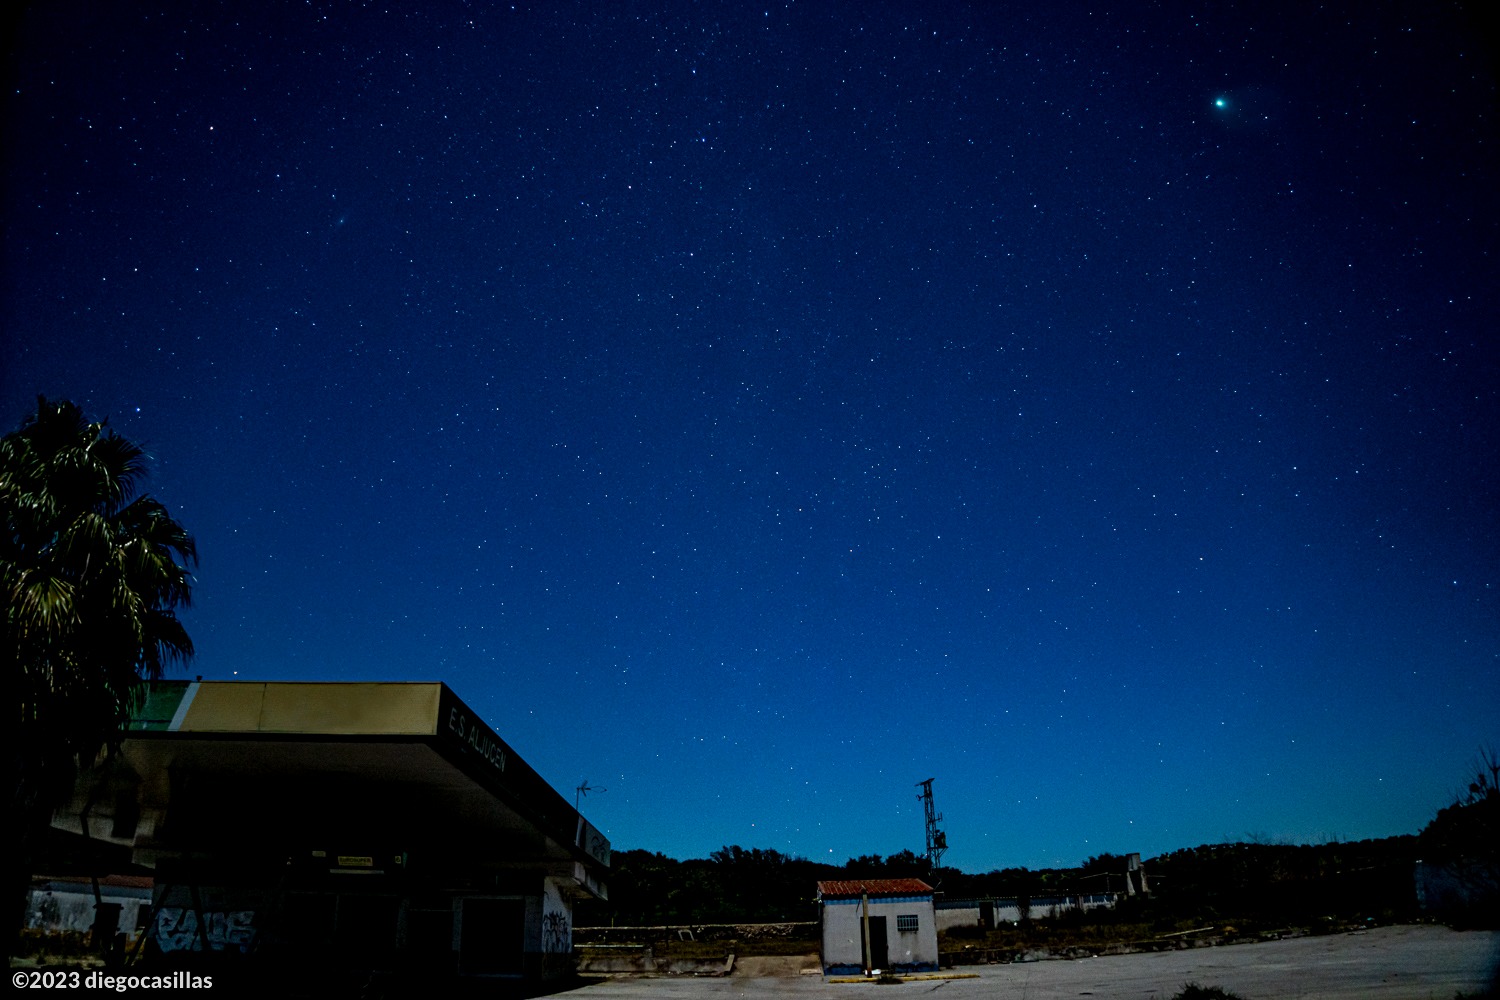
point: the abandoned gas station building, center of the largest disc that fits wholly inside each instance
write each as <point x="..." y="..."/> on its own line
<point x="362" y="826"/>
<point x="877" y="924"/>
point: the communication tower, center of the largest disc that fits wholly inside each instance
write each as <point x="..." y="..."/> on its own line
<point x="937" y="840"/>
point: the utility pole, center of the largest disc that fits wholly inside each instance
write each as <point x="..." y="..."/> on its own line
<point x="864" y="922"/>
<point x="937" y="840"/>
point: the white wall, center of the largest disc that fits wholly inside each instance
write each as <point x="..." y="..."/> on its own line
<point x="557" y="930"/>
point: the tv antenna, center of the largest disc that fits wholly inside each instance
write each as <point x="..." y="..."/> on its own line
<point x="937" y="840"/>
<point x="582" y="791"/>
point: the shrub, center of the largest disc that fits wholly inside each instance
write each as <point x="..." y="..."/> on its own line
<point x="1192" y="991"/>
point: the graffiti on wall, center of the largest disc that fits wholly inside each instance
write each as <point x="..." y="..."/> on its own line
<point x="176" y="929"/>
<point x="555" y="936"/>
<point x="557" y="944"/>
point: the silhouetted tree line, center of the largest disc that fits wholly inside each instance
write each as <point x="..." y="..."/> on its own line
<point x="732" y="885"/>
<point x="1463" y="842"/>
<point x="1283" y="883"/>
<point x="1262" y="882"/>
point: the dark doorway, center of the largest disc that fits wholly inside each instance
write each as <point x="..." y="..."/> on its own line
<point x="429" y="935"/>
<point x="364" y="930"/>
<point x="987" y="914"/>
<point x="880" y="954"/>
<point x="106" y="923"/>
<point x="492" y="937"/>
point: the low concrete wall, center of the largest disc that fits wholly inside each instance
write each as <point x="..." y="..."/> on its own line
<point x="789" y="931"/>
<point x="641" y="960"/>
<point x="966" y="912"/>
<point x="627" y="951"/>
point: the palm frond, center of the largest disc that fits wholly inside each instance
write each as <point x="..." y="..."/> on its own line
<point x="92" y="574"/>
<point x="45" y="603"/>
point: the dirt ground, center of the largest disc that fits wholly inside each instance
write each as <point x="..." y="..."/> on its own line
<point x="1388" y="963"/>
<point x="759" y="967"/>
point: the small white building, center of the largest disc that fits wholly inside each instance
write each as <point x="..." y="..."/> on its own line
<point x="895" y="916"/>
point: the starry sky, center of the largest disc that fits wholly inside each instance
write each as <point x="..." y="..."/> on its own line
<point x="757" y="410"/>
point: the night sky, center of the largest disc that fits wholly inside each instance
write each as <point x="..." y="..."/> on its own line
<point x="757" y="410"/>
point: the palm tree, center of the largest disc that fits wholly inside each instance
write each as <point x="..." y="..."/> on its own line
<point x="92" y="575"/>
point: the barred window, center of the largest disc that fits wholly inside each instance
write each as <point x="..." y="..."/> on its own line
<point x="906" y="923"/>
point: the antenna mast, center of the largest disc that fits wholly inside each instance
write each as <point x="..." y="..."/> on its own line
<point x="578" y="793"/>
<point x="937" y="840"/>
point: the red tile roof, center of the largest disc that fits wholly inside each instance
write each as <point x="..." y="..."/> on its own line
<point x="845" y="888"/>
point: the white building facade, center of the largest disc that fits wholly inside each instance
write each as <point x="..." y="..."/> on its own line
<point x="877" y="925"/>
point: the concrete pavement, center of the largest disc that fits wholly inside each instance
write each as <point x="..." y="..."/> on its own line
<point x="1387" y="963"/>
